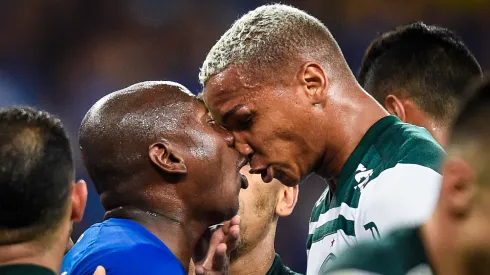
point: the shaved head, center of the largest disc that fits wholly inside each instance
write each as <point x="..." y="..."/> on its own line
<point x="117" y="130"/>
<point x="153" y="146"/>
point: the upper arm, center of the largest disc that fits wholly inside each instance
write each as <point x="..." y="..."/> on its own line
<point x="401" y="196"/>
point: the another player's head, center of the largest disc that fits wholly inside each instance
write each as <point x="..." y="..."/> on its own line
<point x="464" y="205"/>
<point x="269" y="80"/>
<point x="38" y="196"/>
<point x="261" y="205"/>
<point x="153" y="147"/>
<point x="419" y="73"/>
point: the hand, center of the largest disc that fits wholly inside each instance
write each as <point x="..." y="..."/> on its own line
<point x="100" y="270"/>
<point x="222" y="241"/>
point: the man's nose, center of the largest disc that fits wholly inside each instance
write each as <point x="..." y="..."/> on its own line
<point x="244" y="149"/>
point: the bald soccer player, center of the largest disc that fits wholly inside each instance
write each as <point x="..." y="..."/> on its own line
<point x="39" y="198"/>
<point x="278" y="81"/>
<point x="261" y="205"/>
<point x="164" y="175"/>
<point x="419" y="73"/>
<point x="455" y="241"/>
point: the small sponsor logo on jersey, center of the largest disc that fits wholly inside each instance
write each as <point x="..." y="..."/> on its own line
<point x="374" y="230"/>
<point x="362" y="176"/>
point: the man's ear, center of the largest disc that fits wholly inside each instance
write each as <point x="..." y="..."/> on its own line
<point x="162" y="155"/>
<point x="313" y="78"/>
<point x="395" y="107"/>
<point x="458" y="187"/>
<point x="78" y="200"/>
<point x="288" y="196"/>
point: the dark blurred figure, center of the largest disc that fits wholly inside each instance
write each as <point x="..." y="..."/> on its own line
<point x="38" y="197"/>
<point x="419" y="73"/>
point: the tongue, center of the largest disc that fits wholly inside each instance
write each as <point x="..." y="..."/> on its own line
<point x="267" y="175"/>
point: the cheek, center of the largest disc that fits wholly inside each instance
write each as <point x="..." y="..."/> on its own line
<point x="272" y="135"/>
<point x="205" y="146"/>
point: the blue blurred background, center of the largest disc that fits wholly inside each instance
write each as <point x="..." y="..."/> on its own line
<point x="63" y="55"/>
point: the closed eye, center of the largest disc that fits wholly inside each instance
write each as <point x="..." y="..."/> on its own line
<point x="245" y="121"/>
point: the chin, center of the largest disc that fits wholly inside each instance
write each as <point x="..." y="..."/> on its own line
<point x="230" y="212"/>
<point x="288" y="181"/>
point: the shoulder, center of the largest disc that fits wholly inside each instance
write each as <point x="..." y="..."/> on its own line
<point x="403" y="195"/>
<point x="279" y="268"/>
<point x="118" y="245"/>
<point x="131" y="259"/>
<point x="411" y="144"/>
<point x="403" y="177"/>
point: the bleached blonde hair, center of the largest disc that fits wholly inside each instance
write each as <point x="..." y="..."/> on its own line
<point x="273" y="36"/>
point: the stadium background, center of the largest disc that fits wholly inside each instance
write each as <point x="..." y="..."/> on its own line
<point x="63" y="55"/>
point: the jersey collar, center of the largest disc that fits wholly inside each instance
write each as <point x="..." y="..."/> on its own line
<point x="368" y="140"/>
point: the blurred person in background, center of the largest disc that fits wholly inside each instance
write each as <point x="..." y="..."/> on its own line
<point x="164" y="175"/>
<point x="455" y="239"/>
<point x="39" y="199"/>
<point x="419" y="72"/>
<point x="278" y="81"/>
<point x="261" y="205"/>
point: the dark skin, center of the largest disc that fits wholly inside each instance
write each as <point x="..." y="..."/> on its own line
<point x="309" y="121"/>
<point x="163" y="148"/>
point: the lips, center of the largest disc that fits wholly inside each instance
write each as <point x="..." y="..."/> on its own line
<point x="241" y="162"/>
<point x="243" y="181"/>
<point x="266" y="172"/>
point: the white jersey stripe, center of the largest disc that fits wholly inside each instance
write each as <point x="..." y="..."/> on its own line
<point x="348" y="212"/>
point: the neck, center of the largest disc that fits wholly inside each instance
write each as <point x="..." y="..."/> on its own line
<point x="47" y="251"/>
<point x="435" y="129"/>
<point x="176" y="231"/>
<point x="258" y="259"/>
<point x="438" y="239"/>
<point x="439" y="135"/>
<point x="355" y="114"/>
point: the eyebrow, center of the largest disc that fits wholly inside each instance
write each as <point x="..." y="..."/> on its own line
<point x="230" y="112"/>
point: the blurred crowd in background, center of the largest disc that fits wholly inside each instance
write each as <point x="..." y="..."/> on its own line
<point x="63" y="55"/>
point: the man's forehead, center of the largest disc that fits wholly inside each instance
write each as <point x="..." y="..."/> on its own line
<point x="228" y="88"/>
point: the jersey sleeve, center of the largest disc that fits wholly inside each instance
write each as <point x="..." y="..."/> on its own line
<point x="141" y="259"/>
<point x="404" y="195"/>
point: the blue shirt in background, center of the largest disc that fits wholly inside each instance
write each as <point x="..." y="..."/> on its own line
<point x="123" y="247"/>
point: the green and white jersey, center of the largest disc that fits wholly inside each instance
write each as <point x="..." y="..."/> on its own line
<point x="400" y="253"/>
<point x="391" y="180"/>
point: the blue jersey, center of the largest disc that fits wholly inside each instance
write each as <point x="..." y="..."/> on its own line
<point x="122" y="247"/>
